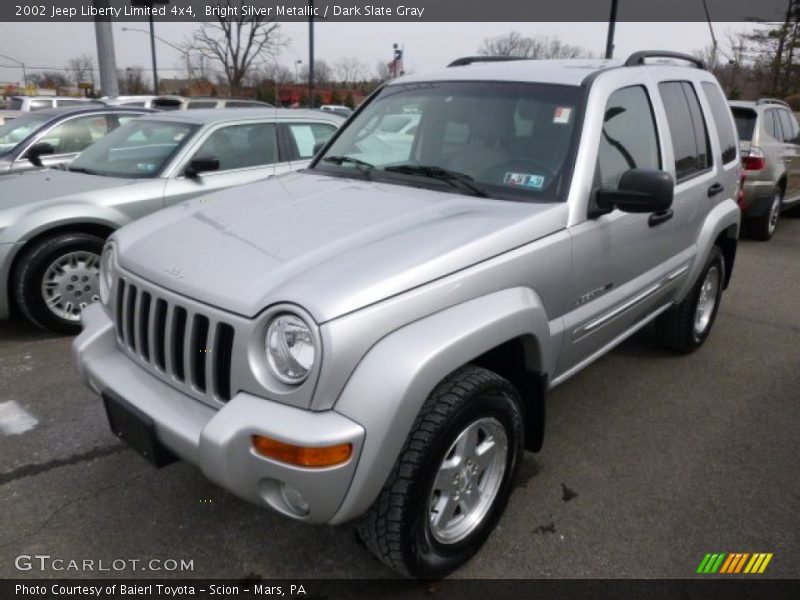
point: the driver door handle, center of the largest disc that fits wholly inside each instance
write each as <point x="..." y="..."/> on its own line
<point x="715" y="189"/>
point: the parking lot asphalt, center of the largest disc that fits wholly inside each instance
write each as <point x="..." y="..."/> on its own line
<point x="651" y="460"/>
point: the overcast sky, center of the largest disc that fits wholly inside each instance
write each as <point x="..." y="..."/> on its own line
<point x="427" y="45"/>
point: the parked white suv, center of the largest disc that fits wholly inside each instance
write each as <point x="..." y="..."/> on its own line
<point x="373" y="338"/>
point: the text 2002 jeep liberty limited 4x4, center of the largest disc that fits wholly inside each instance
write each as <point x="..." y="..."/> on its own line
<point x="372" y="338"/>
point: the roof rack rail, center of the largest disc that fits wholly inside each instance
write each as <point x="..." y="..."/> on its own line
<point x="638" y="58"/>
<point x="772" y="101"/>
<point x="468" y="60"/>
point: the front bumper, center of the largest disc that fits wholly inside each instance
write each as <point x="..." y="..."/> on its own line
<point x="219" y="441"/>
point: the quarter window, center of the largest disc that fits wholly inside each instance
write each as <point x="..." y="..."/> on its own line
<point x="629" y="139"/>
<point x="687" y="127"/>
<point x="788" y="125"/>
<point x="773" y="125"/>
<point x="722" y="120"/>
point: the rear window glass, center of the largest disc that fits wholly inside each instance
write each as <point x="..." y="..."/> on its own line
<point x="15" y="104"/>
<point x="721" y="115"/>
<point x="745" y="122"/>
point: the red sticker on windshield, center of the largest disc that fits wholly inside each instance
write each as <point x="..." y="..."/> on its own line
<point x="562" y="115"/>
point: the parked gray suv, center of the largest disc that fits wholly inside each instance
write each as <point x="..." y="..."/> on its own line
<point x="770" y="145"/>
<point x="373" y="338"/>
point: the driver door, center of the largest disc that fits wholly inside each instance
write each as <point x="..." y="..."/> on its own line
<point x="620" y="258"/>
<point x="246" y="152"/>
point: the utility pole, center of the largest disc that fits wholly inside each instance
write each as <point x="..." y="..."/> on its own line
<point x="21" y="64"/>
<point x="150" y="4"/>
<point x="311" y="55"/>
<point x="106" y="59"/>
<point x="612" y="23"/>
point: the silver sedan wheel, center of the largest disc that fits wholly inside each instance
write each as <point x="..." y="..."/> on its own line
<point x="774" y="213"/>
<point x="468" y="480"/>
<point x="71" y="283"/>
<point x="709" y="296"/>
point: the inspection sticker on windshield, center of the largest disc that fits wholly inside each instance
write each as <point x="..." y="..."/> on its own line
<point x="528" y="180"/>
<point x="562" y="115"/>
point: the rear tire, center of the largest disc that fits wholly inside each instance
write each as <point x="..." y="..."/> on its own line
<point x="452" y="479"/>
<point x="763" y="227"/>
<point x="685" y="327"/>
<point x="56" y="278"/>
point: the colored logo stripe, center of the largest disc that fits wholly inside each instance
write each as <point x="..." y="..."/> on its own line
<point x="734" y="563"/>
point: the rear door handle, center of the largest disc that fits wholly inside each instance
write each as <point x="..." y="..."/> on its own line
<point x="715" y="189"/>
<point x="660" y="217"/>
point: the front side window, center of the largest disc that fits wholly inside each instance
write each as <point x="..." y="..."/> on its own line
<point x="309" y="136"/>
<point x="629" y="139"/>
<point x="241" y="146"/>
<point x="494" y="139"/>
<point x="690" y="141"/>
<point x="75" y="135"/>
<point x="15" y="131"/>
<point x="138" y="149"/>
<point x="721" y="115"/>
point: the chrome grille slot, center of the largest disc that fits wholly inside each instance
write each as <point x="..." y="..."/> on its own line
<point x="177" y="343"/>
<point x="221" y="355"/>
<point x="198" y="351"/>
<point x="187" y="346"/>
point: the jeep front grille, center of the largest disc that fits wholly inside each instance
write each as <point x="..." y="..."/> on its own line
<point x="192" y="350"/>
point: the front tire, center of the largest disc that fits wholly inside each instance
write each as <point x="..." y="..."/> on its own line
<point x="452" y="479"/>
<point x="686" y="327"/>
<point x="56" y="278"/>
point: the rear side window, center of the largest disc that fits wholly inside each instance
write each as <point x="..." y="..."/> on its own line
<point x="789" y="125"/>
<point x="721" y="115"/>
<point x="629" y="139"/>
<point x="194" y="104"/>
<point x="687" y="129"/>
<point x="40" y="104"/>
<point x="773" y="125"/>
<point x="745" y="122"/>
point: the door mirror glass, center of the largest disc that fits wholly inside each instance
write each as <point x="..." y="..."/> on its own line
<point x="639" y="191"/>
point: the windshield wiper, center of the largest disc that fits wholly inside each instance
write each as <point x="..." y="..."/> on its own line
<point x="363" y="166"/>
<point x="454" y="178"/>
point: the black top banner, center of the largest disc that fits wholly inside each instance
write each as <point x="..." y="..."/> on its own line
<point x="394" y="10"/>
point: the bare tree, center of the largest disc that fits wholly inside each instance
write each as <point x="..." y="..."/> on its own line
<point x="538" y="46"/>
<point x="323" y="73"/>
<point x="81" y="69"/>
<point x="238" y="43"/>
<point x="350" y="70"/>
<point x="277" y="73"/>
<point x="382" y="71"/>
<point x="49" y="79"/>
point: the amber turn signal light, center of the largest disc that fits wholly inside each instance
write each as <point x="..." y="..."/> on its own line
<point x="325" y="456"/>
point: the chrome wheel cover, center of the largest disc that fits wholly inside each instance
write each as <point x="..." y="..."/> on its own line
<point x="709" y="295"/>
<point x="71" y="283"/>
<point x="468" y="481"/>
<point x="774" y="213"/>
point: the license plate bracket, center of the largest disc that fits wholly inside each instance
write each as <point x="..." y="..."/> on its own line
<point x="137" y="429"/>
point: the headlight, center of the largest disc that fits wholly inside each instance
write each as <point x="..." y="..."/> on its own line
<point x="290" y="348"/>
<point x="108" y="262"/>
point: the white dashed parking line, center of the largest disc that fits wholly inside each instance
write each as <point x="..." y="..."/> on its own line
<point x="14" y="419"/>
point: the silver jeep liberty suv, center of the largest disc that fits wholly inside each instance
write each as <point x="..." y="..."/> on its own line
<point x="373" y="338"/>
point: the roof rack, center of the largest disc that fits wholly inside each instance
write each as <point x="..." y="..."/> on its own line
<point x="772" y="101"/>
<point x="638" y="58"/>
<point x="468" y="60"/>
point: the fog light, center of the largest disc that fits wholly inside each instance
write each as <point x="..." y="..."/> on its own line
<point x="302" y="456"/>
<point x="294" y="499"/>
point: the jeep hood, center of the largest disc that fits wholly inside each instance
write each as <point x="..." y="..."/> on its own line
<point x="26" y="187"/>
<point x="331" y="245"/>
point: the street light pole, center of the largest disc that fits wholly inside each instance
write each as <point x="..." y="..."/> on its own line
<point x="150" y="4"/>
<point x="311" y="55"/>
<point x="612" y="23"/>
<point x="21" y="64"/>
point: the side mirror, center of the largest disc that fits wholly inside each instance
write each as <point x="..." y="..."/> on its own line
<point x="639" y="191"/>
<point x="201" y="165"/>
<point x="36" y="151"/>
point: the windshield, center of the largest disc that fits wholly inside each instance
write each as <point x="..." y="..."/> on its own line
<point x="16" y="130"/>
<point x="493" y="139"/>
<point x="137" y="149"/>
